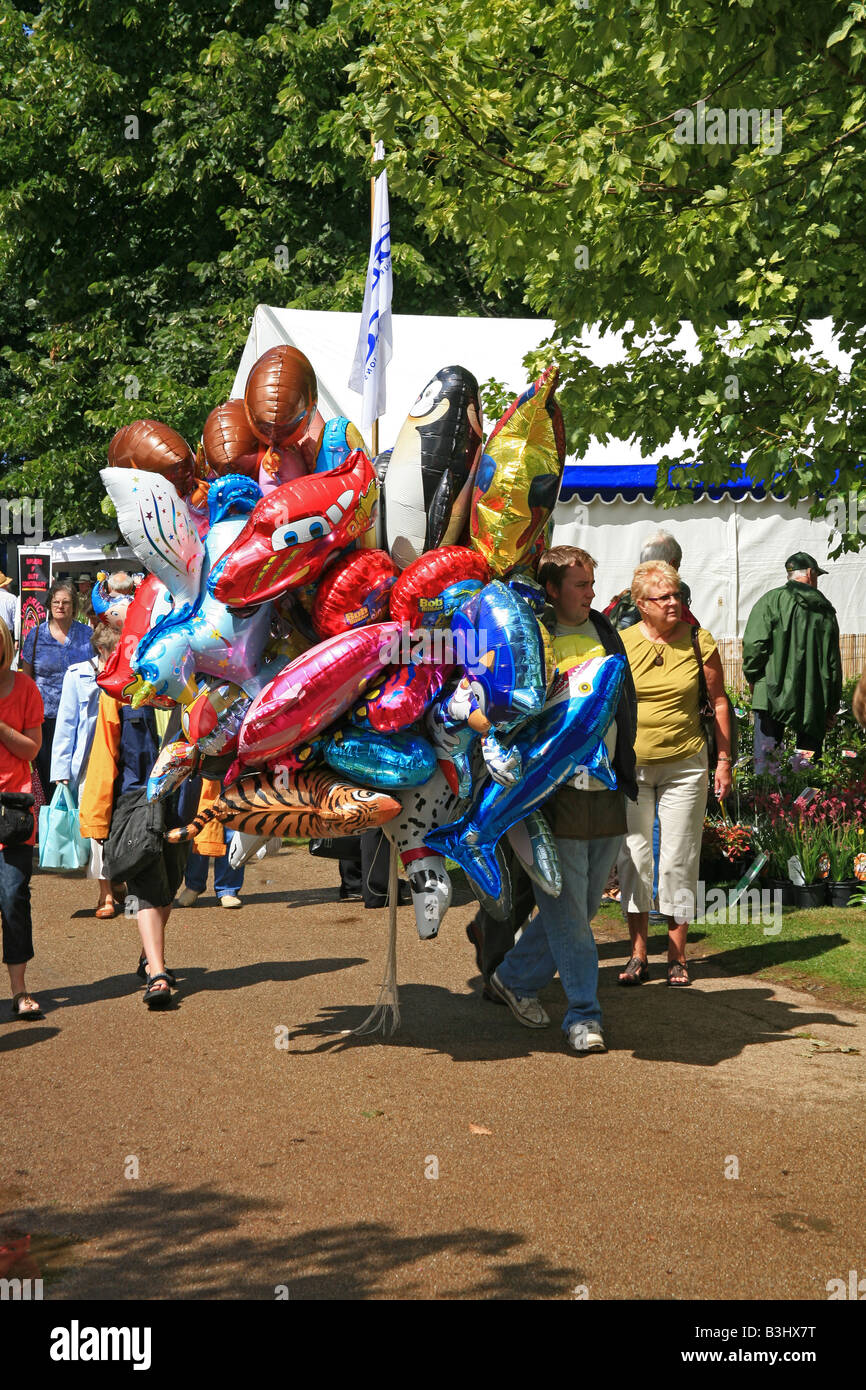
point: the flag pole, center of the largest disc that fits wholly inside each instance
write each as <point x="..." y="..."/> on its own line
<point x="374" y="437"/>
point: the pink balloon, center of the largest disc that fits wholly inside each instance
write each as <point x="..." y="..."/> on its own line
<point x="292" y="466"/>
<point x="313" y="691"/>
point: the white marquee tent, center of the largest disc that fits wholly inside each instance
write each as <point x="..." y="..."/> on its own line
<point x="735" y="539"/>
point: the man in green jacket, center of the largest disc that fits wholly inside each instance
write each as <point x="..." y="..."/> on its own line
<point x="792" y="662"/>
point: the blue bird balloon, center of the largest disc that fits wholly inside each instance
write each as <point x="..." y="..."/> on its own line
<point x="504" y="660"/>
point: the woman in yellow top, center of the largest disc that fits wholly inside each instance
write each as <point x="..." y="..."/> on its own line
<point x="671" y="754"/>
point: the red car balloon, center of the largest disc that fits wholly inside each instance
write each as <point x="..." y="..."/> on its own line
<point x="312" y="692"/>
<point x="416" y="593"/>
<point x="291" y="534"/>
<point x="354" y="592"/>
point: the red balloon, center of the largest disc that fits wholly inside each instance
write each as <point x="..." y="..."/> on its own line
<point x="402" y="695"/>
<point x="353" y="592"/>
<point x="292" y="533"/>
<point x="312" y="691"/>
<point x="117" y="677"/>
<point x="419" y="586"/>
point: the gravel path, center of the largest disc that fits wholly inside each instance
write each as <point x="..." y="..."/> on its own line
<point x="465" y="1157"/>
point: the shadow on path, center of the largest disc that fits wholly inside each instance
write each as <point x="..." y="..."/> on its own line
<point x="653" y="1023"/>
<point x="195" y="980"/>
<point x="171" y="1243"/>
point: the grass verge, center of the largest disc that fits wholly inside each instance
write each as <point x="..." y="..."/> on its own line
<point x="818" y="950"/>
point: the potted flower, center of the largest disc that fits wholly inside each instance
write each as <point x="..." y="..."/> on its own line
<point x="773" y="837"/>
<point x="844" y="841"/>
<point x="809" y="839"/>
<point x="726" y="848"/>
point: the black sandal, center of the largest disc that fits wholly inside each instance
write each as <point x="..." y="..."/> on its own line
<point x="678" y="974"/>
<point x="25" y="1013"/>
<point x="141" y="972"/>
<point x="635" y="972"/>
<point x="157" y="998"/>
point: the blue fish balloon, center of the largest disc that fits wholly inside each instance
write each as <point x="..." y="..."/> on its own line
<point x="567" y="735"/>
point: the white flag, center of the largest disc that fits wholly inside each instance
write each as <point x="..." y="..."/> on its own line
<point x="374" y="351"/>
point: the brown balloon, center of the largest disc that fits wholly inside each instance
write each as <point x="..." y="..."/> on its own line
<point x="280" y="396"/>
<point x="154" y="448"/>
<point x="229" y="441"/>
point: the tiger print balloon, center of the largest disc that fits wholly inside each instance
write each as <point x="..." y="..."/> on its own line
<point x="294" y="803"/>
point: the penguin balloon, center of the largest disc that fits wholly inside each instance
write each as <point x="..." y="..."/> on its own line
<point x="428" y="485"/>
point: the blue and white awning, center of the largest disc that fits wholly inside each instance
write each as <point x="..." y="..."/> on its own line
<point x="637" y="483"/>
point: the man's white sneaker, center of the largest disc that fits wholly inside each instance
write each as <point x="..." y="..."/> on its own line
<point x="527" y="1011"/>
<point x="230" y="900"/>
<point x="586" y="1037"/>
<point x="186" y="897"/>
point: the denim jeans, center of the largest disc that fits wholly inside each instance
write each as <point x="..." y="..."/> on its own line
<point x="16" y="867"/>
<point x="559" y="938"/>
<point x="226" y="880"/>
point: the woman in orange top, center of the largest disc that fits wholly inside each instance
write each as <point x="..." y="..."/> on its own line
<point x="21" y="715"/>
<point x="123" y="753"/>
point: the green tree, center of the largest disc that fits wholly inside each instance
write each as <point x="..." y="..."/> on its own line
<point x="165" y="165"/>
<point x="554" y="139"/>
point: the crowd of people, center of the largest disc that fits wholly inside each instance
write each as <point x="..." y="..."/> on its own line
<point x="672" y="729"/>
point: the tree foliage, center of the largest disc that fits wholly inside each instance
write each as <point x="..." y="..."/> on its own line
<point x="165" y="165"/>
<point x="551" y="138"/>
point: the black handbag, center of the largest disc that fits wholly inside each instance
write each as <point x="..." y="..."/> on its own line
<point x="707" y="713"/>
<point x="135" y="839"/>
<point x="16" y="818"/>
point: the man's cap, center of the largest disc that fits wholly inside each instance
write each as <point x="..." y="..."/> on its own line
<point x="801" y="561"/>
<point x="5" y="581"/>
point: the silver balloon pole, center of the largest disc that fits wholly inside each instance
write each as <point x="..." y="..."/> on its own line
<point x="385" y="1013"/>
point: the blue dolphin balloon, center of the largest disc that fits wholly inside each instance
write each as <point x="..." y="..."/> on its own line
<point x="567" y="735"/>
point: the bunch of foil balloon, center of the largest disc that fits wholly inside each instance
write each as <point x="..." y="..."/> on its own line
<point x="356" y="642"/>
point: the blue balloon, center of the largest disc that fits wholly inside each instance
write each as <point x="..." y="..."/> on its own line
<point x="524" y="583"/>
<point x="504" y="656"/>
<point x="339" y="439"/>
<point x="387" y="762"/>
<point x="567" y="735"/>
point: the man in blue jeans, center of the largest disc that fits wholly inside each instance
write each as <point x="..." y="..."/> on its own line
<point x="588" y="823"/>
<point x="227" y="882"/>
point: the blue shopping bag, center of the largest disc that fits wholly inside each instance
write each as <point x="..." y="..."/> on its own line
<point x="61" y="844"/>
